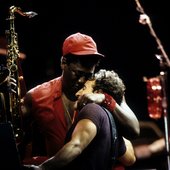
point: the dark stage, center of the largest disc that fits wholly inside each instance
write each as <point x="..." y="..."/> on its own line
<point x="128" y="45"/>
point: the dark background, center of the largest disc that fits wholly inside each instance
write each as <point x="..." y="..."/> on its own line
<point x="129" y="47"/>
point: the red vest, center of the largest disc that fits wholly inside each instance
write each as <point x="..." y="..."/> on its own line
<point x="48" y="112"/>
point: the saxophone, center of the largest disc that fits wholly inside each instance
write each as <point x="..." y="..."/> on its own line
<point x="13" y="111"/>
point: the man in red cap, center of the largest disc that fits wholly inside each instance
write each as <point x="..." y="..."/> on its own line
<point x="50" y="106"/>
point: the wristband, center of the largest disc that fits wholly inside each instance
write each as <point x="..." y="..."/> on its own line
<point x="109" y="103"/>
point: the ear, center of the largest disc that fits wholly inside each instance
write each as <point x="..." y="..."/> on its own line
<point x="63" y="62"/>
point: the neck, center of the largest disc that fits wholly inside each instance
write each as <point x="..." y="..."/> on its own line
<point x="68" y="108"/>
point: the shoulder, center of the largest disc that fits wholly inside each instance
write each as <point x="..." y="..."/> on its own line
<point x="44" y="92"/>
<point x="92" y="107"/>
<point x="46" y="88"/>
<point x="92" y="111"/>
<point x="96" y="114"/>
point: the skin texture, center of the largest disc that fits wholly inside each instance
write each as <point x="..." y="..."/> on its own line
<point x="129" y="157"/>
<point x="148" y="150"/>
<point x="70" y="85"/>
<point x="83" y="134"/>
<point x="112" y="84"/>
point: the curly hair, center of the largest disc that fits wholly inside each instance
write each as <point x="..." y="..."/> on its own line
<point x="110" y="83"/>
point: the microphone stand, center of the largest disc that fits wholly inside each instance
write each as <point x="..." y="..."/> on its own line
<point x="164" y="64"/>
<point x="163" y="78"/>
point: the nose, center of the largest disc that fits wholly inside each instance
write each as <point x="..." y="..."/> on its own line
<point x="79" y="93"/>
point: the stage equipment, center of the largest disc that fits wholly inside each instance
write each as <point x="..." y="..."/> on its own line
<point x="14" y="84"/>
<point x="162" y="78"/>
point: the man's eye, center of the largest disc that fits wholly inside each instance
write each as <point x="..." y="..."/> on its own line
<point x="79" y="74"/>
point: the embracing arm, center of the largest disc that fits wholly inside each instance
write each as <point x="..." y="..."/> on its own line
<point x="125" y="116"/>
<point x="127" y="119"/>
<point x="128" y="158"/>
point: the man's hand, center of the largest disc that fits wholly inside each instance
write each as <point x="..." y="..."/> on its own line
<point x="97" y="98"/>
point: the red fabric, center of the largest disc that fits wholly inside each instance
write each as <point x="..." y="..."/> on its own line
<point x="109" y="102"/>
<point x="80" y="44"/>
<point x="37" y="160"/>
<point x="118" y="167"/>
<point x="48" y="110"/>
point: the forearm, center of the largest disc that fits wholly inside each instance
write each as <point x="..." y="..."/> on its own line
<point x="127" y="120"/>
<point x="69" y="152"/>
<point x="122" y="112"/>
<point x="157" y="146"/>
<point x="124" y="115"/>
<point x="128" y="158"/>
<point x="82" y="135"/>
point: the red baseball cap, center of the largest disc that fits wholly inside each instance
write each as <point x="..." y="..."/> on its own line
<point x="80" y="44"/>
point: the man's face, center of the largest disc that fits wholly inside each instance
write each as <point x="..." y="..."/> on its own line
<point x="88" y="88"/>
<point x="74" y="78"/>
